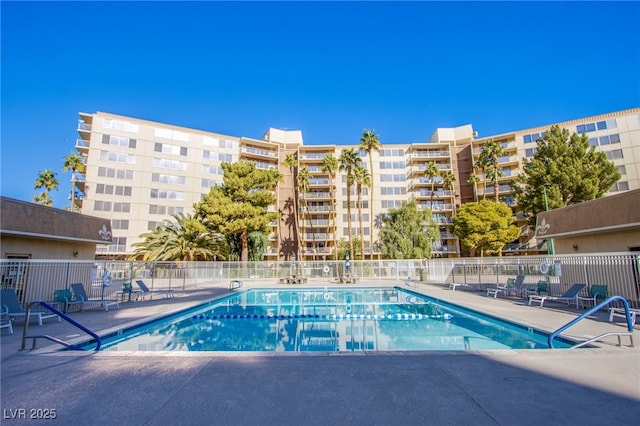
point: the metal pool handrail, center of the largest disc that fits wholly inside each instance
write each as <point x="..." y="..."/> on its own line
<point x="54" y="339"/>
<point x="589" y="312"/>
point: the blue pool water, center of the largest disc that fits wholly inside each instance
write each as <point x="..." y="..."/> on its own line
<point x="326" y="319"/>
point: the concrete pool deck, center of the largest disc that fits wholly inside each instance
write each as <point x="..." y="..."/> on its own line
<point x="520" y="387"/>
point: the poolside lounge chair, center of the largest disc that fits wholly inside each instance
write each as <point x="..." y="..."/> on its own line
<point x="81" y="296"/>
<point x="569" y="296"/>
<point x="514" y="285"/>
<point x="597" y="292"/>
<point x="144" y="290"/>
<point x="5" y="319"/>
<point x="620" y="313"/>
<point x="9" y="298"/>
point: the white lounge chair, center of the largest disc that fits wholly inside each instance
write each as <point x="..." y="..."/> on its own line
<point x="9" y="298"/>
<point x="79" y="295"/>
<point x="569" y="296"/>
<point x="144" y="290"/>
<point x="620" y="313"/>
<point x="5" y="319"/>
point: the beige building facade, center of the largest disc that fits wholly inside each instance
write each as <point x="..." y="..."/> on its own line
<point x="140" y="172"/>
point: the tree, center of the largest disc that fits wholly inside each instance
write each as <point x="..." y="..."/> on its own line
<point x="447" y="183"/>
<point x="74" y="162"/>
<point x="330" y="166"/>
<point x="370" y="142"/>
<point x="408" y="233"/>
<point x="431" y="172"/>
<point x="239" y="206"/>
<point x="302" y="183"/>
<point x="486" y="226"/>
<point x="568" y="169"/>
<point x="474" y="179"/>
<point x="292" y="163"/>
<point x="47" y="180"/>
<point x="186" y="239"/>
<point x="489" y="161"/>
<point x="361" y="179"/>
<point x="348" y="160"/>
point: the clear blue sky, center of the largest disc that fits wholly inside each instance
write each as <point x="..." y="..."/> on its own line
<point x="330" y="69"/>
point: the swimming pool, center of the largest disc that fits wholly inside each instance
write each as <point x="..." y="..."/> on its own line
<point x="326" y="319"/>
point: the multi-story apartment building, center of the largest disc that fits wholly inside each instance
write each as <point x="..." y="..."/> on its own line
<point x="141" y="172"/>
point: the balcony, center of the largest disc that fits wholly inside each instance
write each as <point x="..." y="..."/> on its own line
<point x="82" y="145"/>
<point x="84" y="127"/>
<point x="314" y="223"/>
<point x="253" y="152"/>
<point x="430" y="154"/>
<point x="316" y="196"/>
<point x="316" y="209"/>
<point x="315" y="236"/>
<point x="319" y="182"/>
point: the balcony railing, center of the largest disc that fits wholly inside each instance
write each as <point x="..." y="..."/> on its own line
<point x="316" y="195"/>
<point x="316" y="209"/>
<point x="83" y="127"/>
<point x="431" y="154"/>
<point x="258" y="151"/>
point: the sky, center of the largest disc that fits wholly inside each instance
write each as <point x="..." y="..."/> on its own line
<point x="329" y="69"/>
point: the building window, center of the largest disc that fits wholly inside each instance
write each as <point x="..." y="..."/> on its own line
<point x="168" y="179"/>
<point x="167" y="195"/>
<point x="115" y="173"/>
<point x="620" y="186"/>
<point x="119" y="224"/>
<point x="118" y="141"/>
<point x="622" y="170"/>
<point x="120" y="125"/>
<point x="166" y="148"/>
<point x="119" y="157"/>
<point x="122" y="207"/>
<point x="615" y="154"/>
<point x="164" y="163"/>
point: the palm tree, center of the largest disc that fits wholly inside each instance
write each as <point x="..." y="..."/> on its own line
<point x="348" y="160"/>
<point x="430" y="172"/>
<point x="447" y="183"/>
<point x="47" y="180"/>
<point x="74" y="162"/>
<point x="474" y="179"/>
<point x="291" y="161"/>
<point x="489" y="157"/>
<point x="303" y="187"/>
<point x="330" y="166"/>
<point x="186" y="239"/>
<point x="361" y="177"/>
<point x="43" y="198"/>
<point x="370" y="142"/>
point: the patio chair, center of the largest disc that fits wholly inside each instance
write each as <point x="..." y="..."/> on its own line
<point x="569" y="296"/>
<point x="597" y="292"/>
<point x="5" y="319"/>
<point x="81" y="296"/>
<point x="9" y="298"/>
<point x="65" y="298"/>
<point x="144" y="290"/>
<point x="514" y="285"/>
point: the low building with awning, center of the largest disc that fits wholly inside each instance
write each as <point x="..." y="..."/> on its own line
<point x="606" y="225"/>
<point x="34" y="231"/>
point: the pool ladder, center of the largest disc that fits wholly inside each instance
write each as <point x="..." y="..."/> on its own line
<point x="51" y="338"/>
<point x="607" y="302"/>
